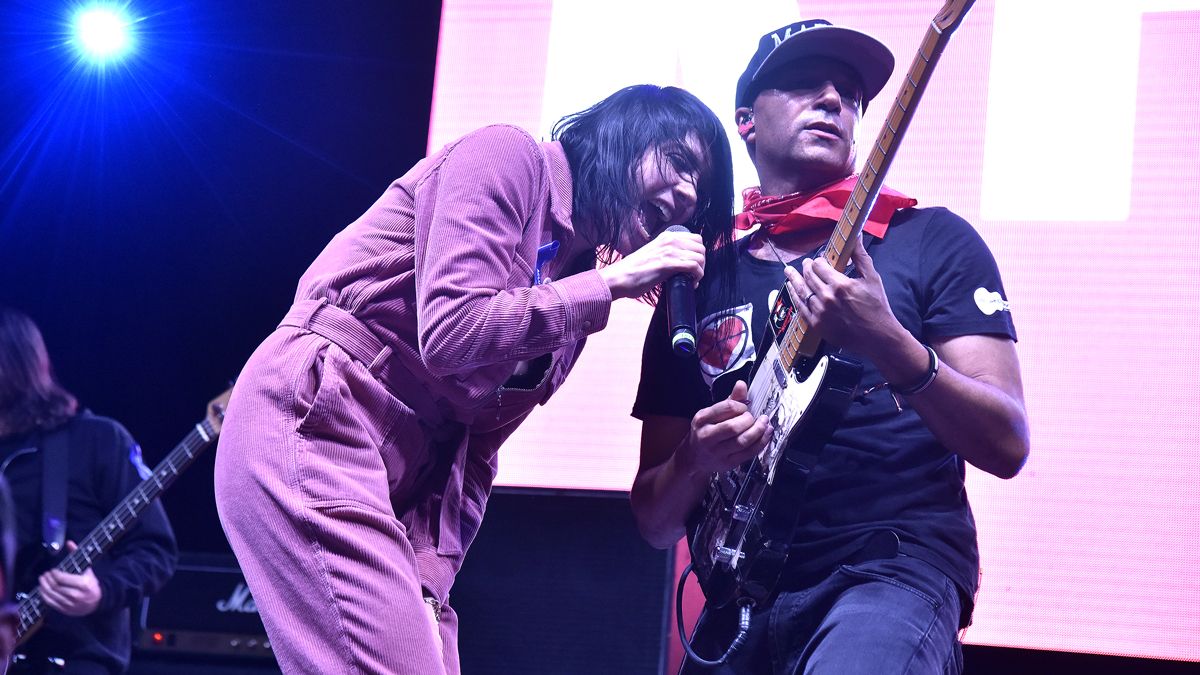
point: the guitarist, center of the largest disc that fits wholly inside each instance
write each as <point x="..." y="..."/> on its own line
<point x="87" y="621"/>
<point x="884" y="564"/>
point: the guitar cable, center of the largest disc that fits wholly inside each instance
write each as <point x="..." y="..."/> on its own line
<point x="745" y="605"/>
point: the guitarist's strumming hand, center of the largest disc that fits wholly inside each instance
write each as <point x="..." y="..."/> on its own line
<point x="852" y="313"/>
<point x="725" y="434"/>
<point x="71" y="594"/>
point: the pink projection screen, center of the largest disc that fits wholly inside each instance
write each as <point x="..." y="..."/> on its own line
<point x="1068" y="133"/>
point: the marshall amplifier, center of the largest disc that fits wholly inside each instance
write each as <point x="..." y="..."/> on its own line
<point x="205" y="609"/>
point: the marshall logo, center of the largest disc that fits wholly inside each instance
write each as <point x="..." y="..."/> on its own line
<point x="207" y="597"/>
<point x="239" y="601"/>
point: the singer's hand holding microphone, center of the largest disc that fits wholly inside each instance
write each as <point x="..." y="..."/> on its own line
<point x="675" y="251"/>
<point x="674" y="259"/>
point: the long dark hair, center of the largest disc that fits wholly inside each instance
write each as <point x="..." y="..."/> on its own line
<point x="30" y="397"/>
<point x="606" y="143"/>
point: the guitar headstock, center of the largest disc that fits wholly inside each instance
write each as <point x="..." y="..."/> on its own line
<point x="952" y="14"/>
<point x="215" y="414"/>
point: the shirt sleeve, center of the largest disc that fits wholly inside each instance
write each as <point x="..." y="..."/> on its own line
<point x="964" y="294"/>
<point x="476" y="304"/>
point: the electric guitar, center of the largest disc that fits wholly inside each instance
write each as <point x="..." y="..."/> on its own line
<point x="747" y="519"/>
<point x="30" y="605"/>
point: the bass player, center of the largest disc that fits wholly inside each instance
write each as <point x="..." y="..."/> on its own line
<point x="48" y="444"/>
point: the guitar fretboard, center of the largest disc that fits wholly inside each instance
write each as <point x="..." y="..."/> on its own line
<point x="798" y="341"/>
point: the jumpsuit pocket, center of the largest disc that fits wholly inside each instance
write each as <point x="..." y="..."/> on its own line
<point x="310" y="392"/>
<point x="357" y="443"/>
<point x="511" y="404"/>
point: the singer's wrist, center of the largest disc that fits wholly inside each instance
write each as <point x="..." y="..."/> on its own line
<point x="620" y="283"/>
<point x="613" y="280"/>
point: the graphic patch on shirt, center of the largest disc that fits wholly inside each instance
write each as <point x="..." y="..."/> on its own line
<point x="989" y="302"/>
<point x="135" y="458"/>
<point x="725" y="342"/>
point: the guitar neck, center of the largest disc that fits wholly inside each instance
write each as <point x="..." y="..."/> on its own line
<point x="798" y="341"/>
<point x="120" y="519"/>
<point x="126" y="513"/>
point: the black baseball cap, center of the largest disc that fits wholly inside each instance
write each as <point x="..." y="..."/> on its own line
<point x="817" y="37"/>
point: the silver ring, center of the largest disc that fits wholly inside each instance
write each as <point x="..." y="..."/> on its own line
<point x="808" y="297"/>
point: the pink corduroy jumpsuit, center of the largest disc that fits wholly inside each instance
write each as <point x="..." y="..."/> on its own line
<point x="360" y="443"/>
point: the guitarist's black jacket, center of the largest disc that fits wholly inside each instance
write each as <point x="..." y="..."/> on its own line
<point x="105" y="465"/>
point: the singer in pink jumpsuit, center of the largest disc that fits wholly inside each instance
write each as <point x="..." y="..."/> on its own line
<point x="361" y="439"/>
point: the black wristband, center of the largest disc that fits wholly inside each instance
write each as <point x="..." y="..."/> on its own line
<point x="926" y="380"/>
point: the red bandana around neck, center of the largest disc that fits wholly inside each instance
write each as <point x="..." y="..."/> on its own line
<point x="799" y="211"/>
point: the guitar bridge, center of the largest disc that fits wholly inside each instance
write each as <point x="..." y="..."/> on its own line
<point x="780" y="375"/>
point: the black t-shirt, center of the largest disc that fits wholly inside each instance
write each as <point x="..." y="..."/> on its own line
<point x="882" y="469"/>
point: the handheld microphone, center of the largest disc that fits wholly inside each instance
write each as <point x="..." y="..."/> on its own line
<point x="681" y="309"/>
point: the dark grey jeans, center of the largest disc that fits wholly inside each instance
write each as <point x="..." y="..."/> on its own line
<point x="897" y="615"/>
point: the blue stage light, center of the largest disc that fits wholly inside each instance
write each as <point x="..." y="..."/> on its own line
<point x="102" y="33"/>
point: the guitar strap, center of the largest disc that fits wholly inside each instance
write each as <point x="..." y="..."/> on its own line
<point x="55" y="470"/>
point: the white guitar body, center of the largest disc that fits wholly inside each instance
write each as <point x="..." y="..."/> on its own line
<point x="736" y="547"/>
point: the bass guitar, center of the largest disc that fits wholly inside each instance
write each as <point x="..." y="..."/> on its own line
<point x="747" y="519"/>
<point x="31" y="606"/>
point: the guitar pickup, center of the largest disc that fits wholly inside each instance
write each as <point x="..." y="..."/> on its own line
<point x="743" y="513"/>
<point x="780" y="376"/>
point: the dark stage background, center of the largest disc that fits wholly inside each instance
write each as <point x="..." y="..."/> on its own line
<point x="155" y="218"/>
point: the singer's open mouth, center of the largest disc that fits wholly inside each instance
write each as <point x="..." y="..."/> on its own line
<point x="653" y="218"/>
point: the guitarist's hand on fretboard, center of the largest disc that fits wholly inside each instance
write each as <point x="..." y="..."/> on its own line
<point x="71" y="594"/>
<point x="849" y="312"/>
